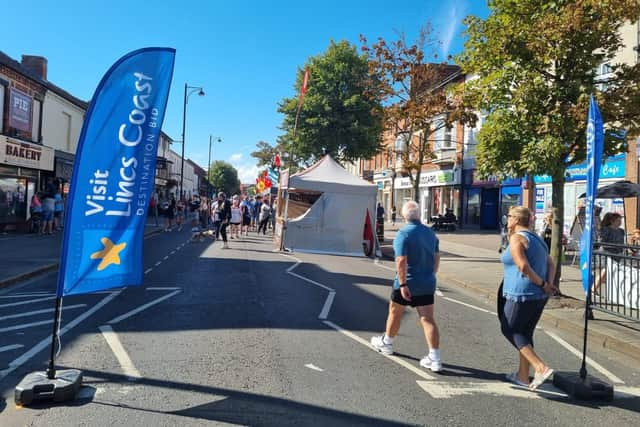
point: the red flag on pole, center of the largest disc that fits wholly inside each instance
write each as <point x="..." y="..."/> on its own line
<point x="277" y="161"/>
<point x="303" y="91"/>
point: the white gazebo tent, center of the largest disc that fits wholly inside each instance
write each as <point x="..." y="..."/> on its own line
<point x="335" y="222"/>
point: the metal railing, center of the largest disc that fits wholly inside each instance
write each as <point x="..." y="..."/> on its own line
<point x="616" y="271"/>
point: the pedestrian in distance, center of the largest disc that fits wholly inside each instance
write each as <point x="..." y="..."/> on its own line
<point x="180" y="209"/>
<point x="222" y="214"/>
<point x="236" y="217"/>
<point x="265" y="213"/>
<point x="169" y="213"/>
<point x="48" y="209"/>
<point x="417" y="260"/>
<point x="393" y="215"/>
<point x="194" y="216"/>
<point x="256" y="212"/>
<point x="529" y="272"/>
<point x="58" y="209"/>
<point x="245" y="207"/>
<point x="380" y="213"/>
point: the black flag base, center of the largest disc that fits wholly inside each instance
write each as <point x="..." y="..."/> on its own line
<point x="36" y="386"/>
<point x="590" y="388"/>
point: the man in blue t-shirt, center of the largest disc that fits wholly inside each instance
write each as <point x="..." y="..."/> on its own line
<point x="417" y="261"/>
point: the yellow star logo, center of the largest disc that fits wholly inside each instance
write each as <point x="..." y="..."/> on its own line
<point x="110" y="254"/>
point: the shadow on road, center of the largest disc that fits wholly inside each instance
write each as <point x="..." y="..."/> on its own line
<point x="244" y="408"/>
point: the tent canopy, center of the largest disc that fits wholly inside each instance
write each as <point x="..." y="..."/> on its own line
<point x="328" y="176"/>
<point x="334" y="224"/>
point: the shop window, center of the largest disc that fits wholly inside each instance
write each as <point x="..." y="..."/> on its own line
<point x="13" y="199"/>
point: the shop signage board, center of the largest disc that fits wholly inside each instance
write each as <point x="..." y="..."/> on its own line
<point x="20" y="106"/>
<point x="25" y="154"/>
<point x="613" y="167"/>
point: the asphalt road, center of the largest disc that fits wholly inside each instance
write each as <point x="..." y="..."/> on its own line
<point x="247" y="336"/>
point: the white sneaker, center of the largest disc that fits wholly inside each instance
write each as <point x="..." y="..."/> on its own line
<point x="225" y="245"/>
<point x="378" y="343"/>
<point x="427" y="363"/>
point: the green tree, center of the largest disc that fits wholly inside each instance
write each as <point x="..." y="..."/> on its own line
<point x="265" y="154"/>
<point x="338" y="116"/>
<point x="417" y="92"/>
<point x="224" y="177"/>
<point x="537" y="64"/>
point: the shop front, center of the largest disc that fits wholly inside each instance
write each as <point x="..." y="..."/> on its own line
<point x="22" y="165"/>
<point x="510" y="194"/>
<point x="611" y="171"/>
<point x="481" y="200"/>
<point x="439" y="191"/>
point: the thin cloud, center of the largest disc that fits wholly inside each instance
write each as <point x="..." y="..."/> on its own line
<point x="236" y="157"/>
<point x="451" y="31"/>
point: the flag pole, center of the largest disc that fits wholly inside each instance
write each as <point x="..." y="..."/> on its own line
<point x="51" y="370"/>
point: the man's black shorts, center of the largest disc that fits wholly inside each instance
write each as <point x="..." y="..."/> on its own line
<point x="416" y="300"/>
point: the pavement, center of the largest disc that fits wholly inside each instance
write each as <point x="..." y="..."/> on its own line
<point x="470" y="260"/>
<point x="28" y="255"/>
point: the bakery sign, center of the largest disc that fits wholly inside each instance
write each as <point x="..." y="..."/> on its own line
<point x="24" y="154"/>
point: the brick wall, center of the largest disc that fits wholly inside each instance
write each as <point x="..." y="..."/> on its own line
<point x="23" y="84"/>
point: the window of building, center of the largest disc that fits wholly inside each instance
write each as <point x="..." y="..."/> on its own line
<point x="1" y="108"/>
<point x="66" y="122"/>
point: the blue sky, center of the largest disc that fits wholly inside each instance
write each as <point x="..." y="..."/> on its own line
<point x="244" y="53"/>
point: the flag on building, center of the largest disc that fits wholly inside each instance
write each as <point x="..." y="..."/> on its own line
<point x="114" y="174"/>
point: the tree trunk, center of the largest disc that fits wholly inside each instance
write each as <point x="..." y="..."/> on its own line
<point x="416" y="187"/>
<point x="557" y="200"/>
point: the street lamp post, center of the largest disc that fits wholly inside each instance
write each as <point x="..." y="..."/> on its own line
<point x="184" y="120"/>
<point x="218" y="139"/>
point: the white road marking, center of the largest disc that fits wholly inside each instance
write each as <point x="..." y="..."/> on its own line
<point x="590" y="361"/>
<point x="313" y="367"/>
<point x="172" y="252"/>
<point x="158" y="288"/>
<point x="25" y="325"/>
<point x="158" y="263"/>
<point x="396" y="359"/>
<point x="469" y="305"/>
<point x="48" y="294"/>
<point x="46" y="310"/>
<point x="379" y="264"/>
<point x="313" y="282"/>
<point x="10" y="347"/>
<point x="327" y="306"/>
<point x="446" y="389"/>
<point x="13" y="304"/>
<point x="166" y="257"/>
<point x="141" y="308"/>
<point x="118" y="350"/>
<point x="148" y="270"/>
<point x="47" y="341"/>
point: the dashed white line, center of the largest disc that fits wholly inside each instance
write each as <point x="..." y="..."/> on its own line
<point x="172" y="252"/>
<point x="14" y="304"/>
<point x="48" y="294"/>
<point x="142" y="308"/>
<point x="10" y="347"/>
<point x="166" y="257"/>
<point x="118" y="350"/>
<point x="35" y="312"/>
<point x="313" y="367"/>
<point x="379" y="264"/>
<point x="158" y="263"/>
<point x="158" y="288"/>
<point x="148" y="270"/>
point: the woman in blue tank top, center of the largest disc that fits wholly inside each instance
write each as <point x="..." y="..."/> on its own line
<point x="528" y="281"/>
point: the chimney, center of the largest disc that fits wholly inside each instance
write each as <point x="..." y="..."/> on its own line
<point x="36" y="64"/>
